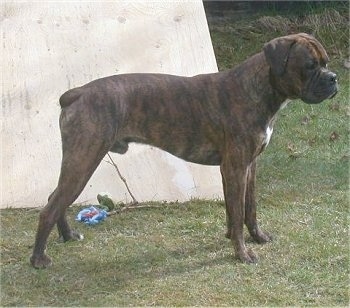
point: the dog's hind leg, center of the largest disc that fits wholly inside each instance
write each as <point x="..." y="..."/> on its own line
<point x="65" y="233"/>
<point x="64" y="230"/>
<point x="83" y="149"/>
<point x="74" y="176"/>
<point x="75" y="173"/>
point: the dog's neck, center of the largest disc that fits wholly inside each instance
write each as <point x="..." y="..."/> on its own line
<point x="257" y="83"/>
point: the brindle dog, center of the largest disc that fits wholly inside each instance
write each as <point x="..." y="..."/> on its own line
<point x="223" y="119"/>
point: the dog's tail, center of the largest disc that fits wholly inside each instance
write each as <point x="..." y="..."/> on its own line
<point x="70" y="96"/>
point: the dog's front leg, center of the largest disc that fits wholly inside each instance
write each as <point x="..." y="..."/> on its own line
<point x="234" y="174"/>
<point x="250" y="209"/>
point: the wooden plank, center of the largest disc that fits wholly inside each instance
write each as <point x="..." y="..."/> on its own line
<point x="49" y="47"/>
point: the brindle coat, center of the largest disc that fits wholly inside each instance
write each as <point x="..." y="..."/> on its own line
<point x="212" y="119"/>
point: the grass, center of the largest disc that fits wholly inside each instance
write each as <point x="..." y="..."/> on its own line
<point x="176" y="255"/>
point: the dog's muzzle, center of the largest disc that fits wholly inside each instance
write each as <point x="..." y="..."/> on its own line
<point x="333" y="82"/>
<point x="323" y="85"/>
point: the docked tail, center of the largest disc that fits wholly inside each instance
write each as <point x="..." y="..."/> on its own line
<point x="70" y="96"/>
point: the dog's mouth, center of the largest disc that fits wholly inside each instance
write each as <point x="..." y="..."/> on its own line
<point x="321" y="86"/>
<point x="335" y="92"/>
<point x="319" y="95"/>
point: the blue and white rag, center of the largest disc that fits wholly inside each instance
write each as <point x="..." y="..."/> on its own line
<point x="91" y="215"/>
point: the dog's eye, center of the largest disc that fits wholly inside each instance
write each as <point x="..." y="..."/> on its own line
<point x="311" y="64"/>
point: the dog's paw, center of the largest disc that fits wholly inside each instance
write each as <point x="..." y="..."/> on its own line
<point x="72" y="236"/>
<point x="247" y="256"/>
<point x="40" y="261"/>
<point x="76" y="236"/>
<point x="261" y="237"/>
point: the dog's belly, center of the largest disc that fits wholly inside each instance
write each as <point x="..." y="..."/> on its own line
<point x="204" y="153"/>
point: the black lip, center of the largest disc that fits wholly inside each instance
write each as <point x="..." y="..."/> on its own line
<point x="334" y="94"/>
<point x="335" y="91"/>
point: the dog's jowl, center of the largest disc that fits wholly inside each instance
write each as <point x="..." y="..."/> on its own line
<point x="223" y="119"/>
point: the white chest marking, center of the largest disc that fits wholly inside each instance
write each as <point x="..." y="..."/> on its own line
<point x="268" y="135"/>
<point x="269" y="129"/>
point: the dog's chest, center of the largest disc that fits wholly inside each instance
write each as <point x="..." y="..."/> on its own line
<point x="269" y="128"/>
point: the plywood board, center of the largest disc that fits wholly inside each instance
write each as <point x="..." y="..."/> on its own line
<point x="50" y="47"/>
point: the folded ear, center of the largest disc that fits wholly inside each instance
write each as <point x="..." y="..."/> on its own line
<point x="277" y="53"/>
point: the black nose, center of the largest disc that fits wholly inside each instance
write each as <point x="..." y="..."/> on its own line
<point x="332" y="78"/>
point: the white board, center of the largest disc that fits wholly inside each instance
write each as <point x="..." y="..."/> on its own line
<point x="50" y="47"/>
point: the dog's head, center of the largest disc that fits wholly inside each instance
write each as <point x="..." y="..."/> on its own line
<point x="298" y="65"/>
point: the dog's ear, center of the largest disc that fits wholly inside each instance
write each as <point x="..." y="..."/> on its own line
<point x="277" y="53"/>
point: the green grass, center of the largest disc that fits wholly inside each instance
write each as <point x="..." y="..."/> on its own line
<point x="177" y="255"/>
